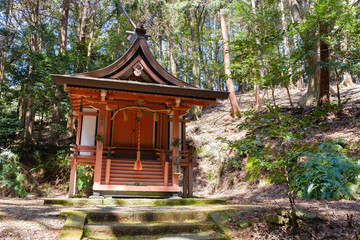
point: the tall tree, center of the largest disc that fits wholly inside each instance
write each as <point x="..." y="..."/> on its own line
<point x="256" y="85"/>
<point x="34" y="44"/>
<point x="64" y="25"/>
<point x="5" y="39"/>
<point x="324" y="85"/>
<point x="56" y="112"/>
<point x="229" y="82"/>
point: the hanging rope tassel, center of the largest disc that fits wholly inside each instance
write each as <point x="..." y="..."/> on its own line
<point x="138" y="165"/>
<point x="125" y="117"/>
<point x="156" y="116"/>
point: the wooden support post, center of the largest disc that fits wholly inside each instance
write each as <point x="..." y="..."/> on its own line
<point x="107" y="174"/>
<point x="185" y="181"/>
<point x="175" y="149"/>
<point x="166" y="173"/>
<point x="184" y="136"/>
<point x="99" y="145"/>
<point x="190" y="179"/>
<point x="78" y="130"/>
<point x="72" y="186"/>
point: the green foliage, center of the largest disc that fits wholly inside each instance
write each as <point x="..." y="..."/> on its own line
<point x="83" y="177"/>
<point x="329" y="173"/>
<point x="10" y="127"/>
<point x="11" y="173"/>
<point x="210" y="176"/>
<point x="234" y="163"/>
<point x="339" y="23"/>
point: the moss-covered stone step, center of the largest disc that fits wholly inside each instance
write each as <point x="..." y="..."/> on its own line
<point x="196" y="236"/>
<point x="99" y="231"/>
<point x="73" y="227"/>
<point x="146" y="216"/>
<point x="134" y="202"/>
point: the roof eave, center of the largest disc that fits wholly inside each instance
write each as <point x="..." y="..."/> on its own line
<point x="131" y="86"/>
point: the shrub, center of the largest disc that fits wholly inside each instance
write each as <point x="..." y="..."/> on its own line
<point x="11" y="175"/>
<point x="84" y="177"/>
<point x="329" y="174"/>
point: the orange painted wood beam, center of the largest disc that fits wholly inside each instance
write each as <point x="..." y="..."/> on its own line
<point x="99" y="145"/>
<point x="72" y="185"/>
<point x="107" y="172"/>
<point x="104" y="187"/>
<point x="175" y="150"/>
<point x="91" y="93"/>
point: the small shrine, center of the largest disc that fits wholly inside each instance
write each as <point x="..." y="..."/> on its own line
<point x="131" y="126"/>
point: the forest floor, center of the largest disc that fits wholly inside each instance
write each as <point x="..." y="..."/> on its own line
<point x="28" y="218"/>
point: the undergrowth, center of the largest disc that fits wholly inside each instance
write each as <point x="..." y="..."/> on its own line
<point x="11" y="174"/>
<point x="273" y="150"/>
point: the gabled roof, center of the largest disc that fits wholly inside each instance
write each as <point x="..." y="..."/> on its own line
<point x="138" y="57"/>
<point x="137" y="71"/>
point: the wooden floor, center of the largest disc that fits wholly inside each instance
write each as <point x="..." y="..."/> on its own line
<point x="122" y="173"/>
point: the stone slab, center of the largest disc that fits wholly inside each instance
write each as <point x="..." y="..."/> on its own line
<point x="134" y="202"/>
<point x="74" y="226"/>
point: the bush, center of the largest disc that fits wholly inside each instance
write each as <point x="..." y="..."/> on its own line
<point x="329" y="174"/>
<point x="11" y="175"/>
<point x="10" y="126"/>
<point x="84" y="177"/>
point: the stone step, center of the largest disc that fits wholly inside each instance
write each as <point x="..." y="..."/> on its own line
<point x="146" y="216"/>
<point x="135" y="229"/>
<point x="198" y="236"/>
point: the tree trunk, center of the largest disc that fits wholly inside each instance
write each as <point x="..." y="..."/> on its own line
<point x="229" y="83"/>
<point x="58" y="96"/>
<point x="91" y="37"/>
<point x="195" y="58"/>
<point x="338" y="87"/>
<point x="215" y="58"/>
<point x="186" y="57"/>
<point x="286" y="40"/>
<point x="8" y="13"/>
<point x="34" y="47"/>
<point x="64" y="25"/>
<point x="324" y="86"/>
<point x="256" y="85"/>
<point x="348" y="81"/>
<point x="312" y="93"/>
<point x="172" y="57"/>
<point x="83" y="22"/>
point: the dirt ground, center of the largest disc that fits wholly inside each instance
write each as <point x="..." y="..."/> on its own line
<point x="30" y="219"/>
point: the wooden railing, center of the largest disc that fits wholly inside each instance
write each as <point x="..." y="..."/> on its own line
<point x="110" y="151"/>
<point x="165" y="156"/>
<point x="86" y="155"/>
<point x="83" y="155"/>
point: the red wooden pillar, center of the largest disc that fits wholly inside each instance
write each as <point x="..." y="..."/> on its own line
<point x="175" y="149"/>
<point x="99" y="145"/>
<point x="78" y="130"/>
<point x="185" y="181"/>
<point x="72" y="185"/>
<point x="190" y="179"/>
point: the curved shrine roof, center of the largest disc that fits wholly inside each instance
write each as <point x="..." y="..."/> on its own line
<point x="137" y="71"/>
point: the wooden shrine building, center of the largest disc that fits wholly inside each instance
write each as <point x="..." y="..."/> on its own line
<point x="130" y="123"/>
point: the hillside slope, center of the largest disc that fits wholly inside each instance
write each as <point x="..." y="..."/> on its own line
<point x="215" y="178"/>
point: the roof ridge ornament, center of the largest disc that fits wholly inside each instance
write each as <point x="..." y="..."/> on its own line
<point x="139" y="31"/>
